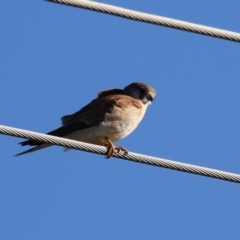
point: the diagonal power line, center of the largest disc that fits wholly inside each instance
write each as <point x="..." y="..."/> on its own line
<point x="151" y="18"/>
<point x="158" y="162"/>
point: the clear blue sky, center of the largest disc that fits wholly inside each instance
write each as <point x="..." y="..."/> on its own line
<point x="54" y="59"/>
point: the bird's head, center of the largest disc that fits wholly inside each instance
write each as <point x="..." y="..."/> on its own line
<point x="140" y="91"/>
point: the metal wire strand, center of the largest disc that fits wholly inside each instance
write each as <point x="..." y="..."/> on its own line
<point x="153" y="19"/>
<point x="158" y="162"/>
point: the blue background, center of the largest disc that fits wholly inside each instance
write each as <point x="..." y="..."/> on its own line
<point x="54" y="59"/>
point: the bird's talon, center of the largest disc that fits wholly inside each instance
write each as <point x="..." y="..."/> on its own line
<point x="124" y="150"/>
<point x="111" y="149"/>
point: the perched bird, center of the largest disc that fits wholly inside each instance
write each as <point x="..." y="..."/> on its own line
<point x="113" y="115"/>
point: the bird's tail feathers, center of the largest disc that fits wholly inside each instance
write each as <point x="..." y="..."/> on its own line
<point x="44" y="145"/>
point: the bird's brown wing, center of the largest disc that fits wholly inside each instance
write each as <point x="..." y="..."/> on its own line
<point x="89" y="116"/>
<point x="113" y="91"/>
<point x="95" y="111"/>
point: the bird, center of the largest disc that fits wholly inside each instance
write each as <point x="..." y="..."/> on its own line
<point x="113" y="115"/>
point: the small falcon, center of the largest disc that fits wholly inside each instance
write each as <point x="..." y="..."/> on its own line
<point x="113" y="115"/>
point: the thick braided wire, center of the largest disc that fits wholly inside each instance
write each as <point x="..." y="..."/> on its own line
<point x="158" y="162"/>
<point x="150" y="18"/>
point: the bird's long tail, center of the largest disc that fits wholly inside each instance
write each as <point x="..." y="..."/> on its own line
<point x="44" y="145"/>
<point x="64" y="131"/>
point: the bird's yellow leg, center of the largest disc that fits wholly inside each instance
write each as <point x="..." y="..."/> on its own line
<point x="112" y="148"/>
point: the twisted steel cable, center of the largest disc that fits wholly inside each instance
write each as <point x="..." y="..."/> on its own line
<point x="153" y="19"/>
<point x="158" y="162"/>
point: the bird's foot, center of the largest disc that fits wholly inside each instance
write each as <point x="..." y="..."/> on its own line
<point x="111" y="148"/>
<point x="118" y="149"/>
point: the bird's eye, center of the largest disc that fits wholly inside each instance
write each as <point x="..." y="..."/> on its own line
<point x="142" y="90"/>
